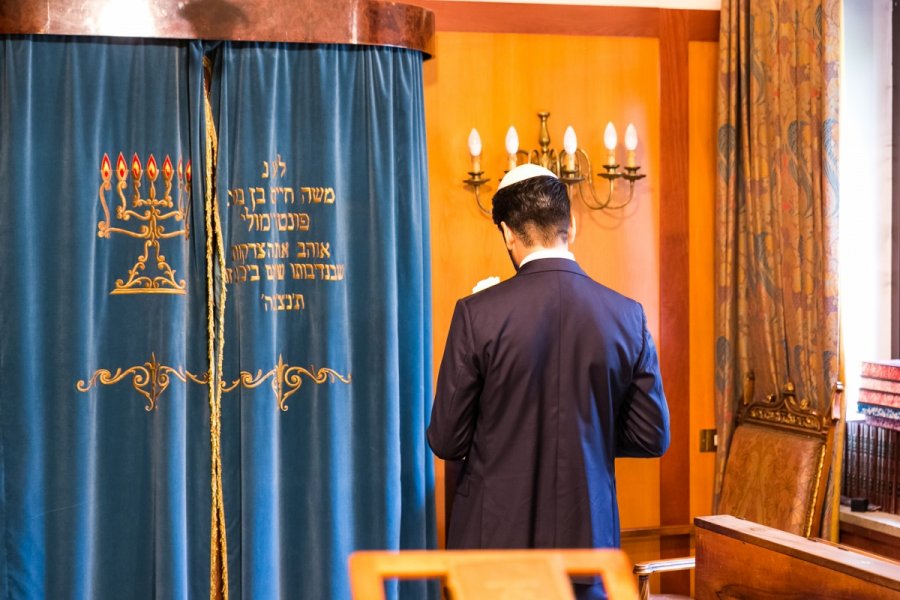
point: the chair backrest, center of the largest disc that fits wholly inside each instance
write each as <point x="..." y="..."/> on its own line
<point x="494" y="574"/>
<point x="777" y="464"/>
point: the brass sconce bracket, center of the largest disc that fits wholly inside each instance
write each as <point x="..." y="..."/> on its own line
<point x="476" y="180"/>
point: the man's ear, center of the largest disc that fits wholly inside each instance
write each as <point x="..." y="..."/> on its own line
<point x="508" y="235"/>
<point x="572" y="229"/>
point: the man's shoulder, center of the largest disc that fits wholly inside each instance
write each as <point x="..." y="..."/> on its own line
<point x="538" y="283"/>
<point x="491" y="293"/>
<point x="579" y="282"/>
<point x="613" y="296"/>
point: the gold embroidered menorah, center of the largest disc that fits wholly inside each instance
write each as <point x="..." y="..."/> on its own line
<point x="149" y="213"/>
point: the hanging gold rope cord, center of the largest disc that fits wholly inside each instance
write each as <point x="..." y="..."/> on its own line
<point x="218" y="553"/>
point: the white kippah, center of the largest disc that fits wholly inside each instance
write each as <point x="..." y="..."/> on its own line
<point x="523" y="172"/>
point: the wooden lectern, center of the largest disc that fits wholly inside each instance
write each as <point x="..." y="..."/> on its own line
<point x="493" y="574"/>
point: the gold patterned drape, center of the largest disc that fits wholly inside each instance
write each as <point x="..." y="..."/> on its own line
<point x="776" y="204"/>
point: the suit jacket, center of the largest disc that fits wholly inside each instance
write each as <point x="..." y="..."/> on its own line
<point x="546" y="379"/>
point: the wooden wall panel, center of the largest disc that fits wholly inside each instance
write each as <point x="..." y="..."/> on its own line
<point x="556" y="19"/>
<point x="674" y="279"/>
<point x="510" y="17"/>
<point x="703" y="75"/>
<point x="661" y="74"/>
<point x="490" y="81"/>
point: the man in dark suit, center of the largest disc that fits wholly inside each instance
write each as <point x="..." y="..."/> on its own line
<point x="546" y="379"/>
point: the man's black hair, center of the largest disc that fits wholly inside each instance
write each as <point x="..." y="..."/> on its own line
<point x="537" y="206"/>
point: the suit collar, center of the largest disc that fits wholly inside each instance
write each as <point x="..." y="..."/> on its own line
<point x="547" y="253"/>
<point x="550" y="264"/>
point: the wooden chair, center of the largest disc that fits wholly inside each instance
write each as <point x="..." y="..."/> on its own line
<point x="776" y="469"/>
<point x="493" y="574"/>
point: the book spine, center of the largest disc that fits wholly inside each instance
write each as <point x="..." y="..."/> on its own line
<point x="882" y="370"/>
<point x="879" y="398"/>
<point x="872" y="464"/>
<point x="891" y="504"/>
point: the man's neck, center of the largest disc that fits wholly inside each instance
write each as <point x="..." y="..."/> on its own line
<point x="538" y="252"/>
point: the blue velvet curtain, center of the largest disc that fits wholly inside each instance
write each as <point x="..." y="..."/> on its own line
<point x="323" y="200"/>
<point x="105" y="491"/>
<point x="296" y="258"/>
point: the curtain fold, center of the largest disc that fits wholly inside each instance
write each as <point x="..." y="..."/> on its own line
<point x="322" y="181"/>
<point x="215" y="315"/>
<point x="777" y="199"/>
<point x="103" y="415"/>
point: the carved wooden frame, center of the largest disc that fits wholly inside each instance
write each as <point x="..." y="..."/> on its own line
<point x="784" y="411"/>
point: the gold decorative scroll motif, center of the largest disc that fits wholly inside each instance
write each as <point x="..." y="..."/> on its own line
<point x="150" y="379"/>
<point x="286" y="380"/>
<point x="149" y="213"/>
<point x="785" y="410"/>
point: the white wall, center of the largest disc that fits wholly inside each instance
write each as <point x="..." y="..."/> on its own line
<point x="865" y="186"/>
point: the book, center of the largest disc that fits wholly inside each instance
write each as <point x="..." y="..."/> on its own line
<point x="881" y="369"/>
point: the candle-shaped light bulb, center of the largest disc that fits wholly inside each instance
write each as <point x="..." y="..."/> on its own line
<point x="631" y="138"/>
<point x="475" y="150"/>
<point x="570" y="144"/>
<point x="610" y="139"/>
<point x="631" y="142"/>
<point x="512" y="146"/>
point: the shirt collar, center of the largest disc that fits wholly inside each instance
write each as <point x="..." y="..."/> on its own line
<point x="547" y="253"/>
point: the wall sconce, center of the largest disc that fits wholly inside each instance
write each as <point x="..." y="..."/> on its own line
<point x="572" y="165"/>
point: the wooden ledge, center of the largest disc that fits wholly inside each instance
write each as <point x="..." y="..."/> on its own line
<point x="864" y="566"/>
<point x="566" y="19"/>
<point x="657" y="532"/>
<point x="882" y="522"/>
